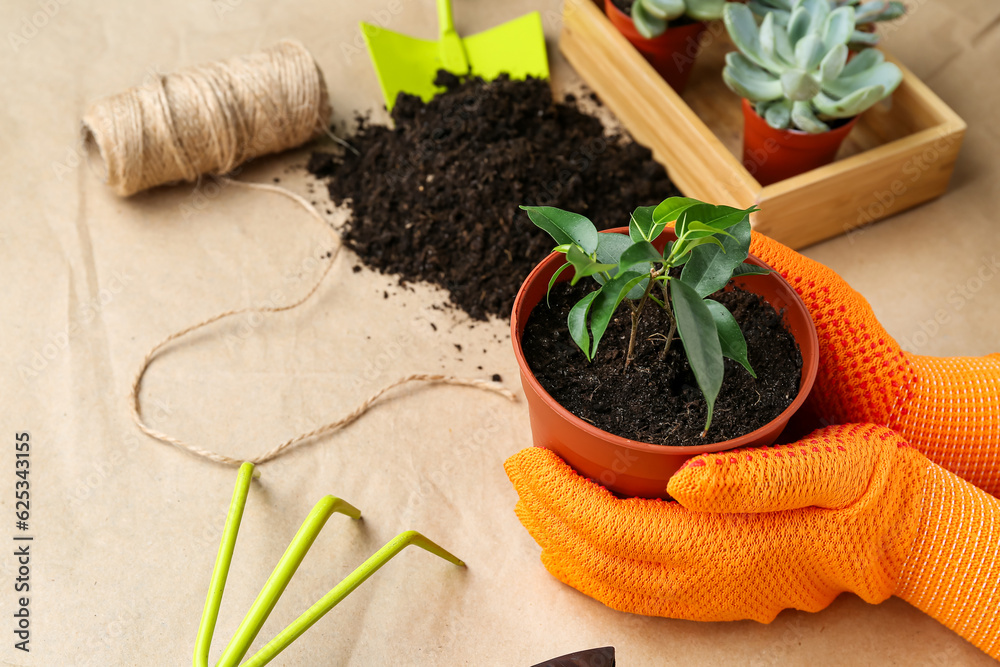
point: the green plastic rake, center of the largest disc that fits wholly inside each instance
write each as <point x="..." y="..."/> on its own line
<point x="282" y="574"/>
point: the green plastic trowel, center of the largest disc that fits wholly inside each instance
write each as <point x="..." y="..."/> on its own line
<point x="407" y="64"/>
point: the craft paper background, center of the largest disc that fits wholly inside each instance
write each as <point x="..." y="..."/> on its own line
<point x="127" y="528"/>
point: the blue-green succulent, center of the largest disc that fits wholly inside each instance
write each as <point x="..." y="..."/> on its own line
<point x="798" y="75"/>
<point x="866" y="14"/>
<point x="651" y="17"/>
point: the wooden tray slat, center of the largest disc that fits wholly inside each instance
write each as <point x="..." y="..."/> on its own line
<point x="901" y="153"/>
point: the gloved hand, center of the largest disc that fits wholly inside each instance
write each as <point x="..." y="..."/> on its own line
<point x="754" y="531"/>
<point x="948" y="408"/>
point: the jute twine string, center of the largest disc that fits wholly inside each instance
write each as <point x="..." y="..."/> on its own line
<point x="208" y="120"/>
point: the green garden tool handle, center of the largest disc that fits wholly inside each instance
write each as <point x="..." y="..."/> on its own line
<point x="451" y="50"/>
<point x="342" y="590"/>
<point x="446" y="22"/>
<point x="283" y="571"/>
<point x="222" y="562"/>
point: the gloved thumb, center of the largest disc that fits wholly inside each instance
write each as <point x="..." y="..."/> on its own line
<point x="831" y="468"/>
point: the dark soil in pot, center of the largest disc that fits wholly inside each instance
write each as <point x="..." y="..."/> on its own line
<point x="658" y="401"/>
<point x="435" y="198"/>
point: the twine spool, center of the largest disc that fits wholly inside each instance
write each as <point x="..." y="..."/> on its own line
<point x="209" y="119"/>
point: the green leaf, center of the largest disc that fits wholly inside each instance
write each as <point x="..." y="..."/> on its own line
<point x="750" y="270"/>
<point x="687" y="246"/>
<point x="664" y="9"/>
<point x="798" y="24"/>
<point x="804" y="118"/>
<point x="748" y="80"/>
<point x="668" y="209"/>
<point x="838" y="27"/>
<point x="832" y="64"/>
<point x="611" y="246"/>
<point x="715" y="217"/>
<point x="711" y="267"/>
<point x="701" y="341"/>
<point x="769" y="42"/>
<point x="731" y="339"/>
<point x="799" y="85"/>
<point x="705" y="10"/>
<point x="608" y="300"/>
<point x="809" y="51"/>
<point x="585" y="265"/>
<point x="552" y="281"/>
<point x="645" y="23"/>
<point x="609" y="250"/>
<point x="863" y="61"/>
<point x="564" y="226"/>
<point x="577" y="322"/>
<point x="697" y="226"/>
<point x="778" y="114"/>
<point x="641" y="226"/>
<point x="743" y="30"/>
<point x="643" y="251"/>
<point x="886" y="75"/>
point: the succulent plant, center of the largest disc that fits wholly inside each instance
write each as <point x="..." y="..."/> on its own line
<point x="866" y="14"/>
<point x="799" y="76"/>
<point x="652" y="16"/>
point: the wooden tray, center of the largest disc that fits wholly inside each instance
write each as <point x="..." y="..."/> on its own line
<point x="901" y="152"/>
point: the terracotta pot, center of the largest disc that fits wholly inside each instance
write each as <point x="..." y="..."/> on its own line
<point x="672" y="54"/>
<point x="626" y="466"/>
<point x="772" y="155"/>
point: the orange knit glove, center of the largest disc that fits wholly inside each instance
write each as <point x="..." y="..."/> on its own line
<point x="754" y="531"/>
<point x="948" y="408"/>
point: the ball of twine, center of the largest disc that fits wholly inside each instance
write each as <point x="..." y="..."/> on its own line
<point x="209" y="119"/>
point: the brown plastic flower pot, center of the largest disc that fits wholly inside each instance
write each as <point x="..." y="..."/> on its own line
<point x="772" y="155"/>
<point x="672" y="54"/>
<point x="625" y="466"/>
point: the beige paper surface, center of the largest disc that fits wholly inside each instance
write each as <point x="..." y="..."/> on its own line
<point x="126" y="528"/>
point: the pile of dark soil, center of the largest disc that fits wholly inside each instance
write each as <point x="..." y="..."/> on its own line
<point x="436" y="197"/>
<point x="659" y="401"/>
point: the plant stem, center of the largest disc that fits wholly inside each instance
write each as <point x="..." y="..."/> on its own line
<point x="673" y="321"/>
<point x="636" y="313"/>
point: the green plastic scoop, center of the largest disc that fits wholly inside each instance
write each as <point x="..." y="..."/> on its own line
<point x="407" y="64"/>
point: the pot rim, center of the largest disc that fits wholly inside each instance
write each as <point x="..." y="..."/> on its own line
<point x="806" y="380"/>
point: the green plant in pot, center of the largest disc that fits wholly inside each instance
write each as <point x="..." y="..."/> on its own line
<point x="866" y="15"/>
<point x="665" y="32"/>
<point x="801" y="93"/>
<point x="646" y="308"/>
